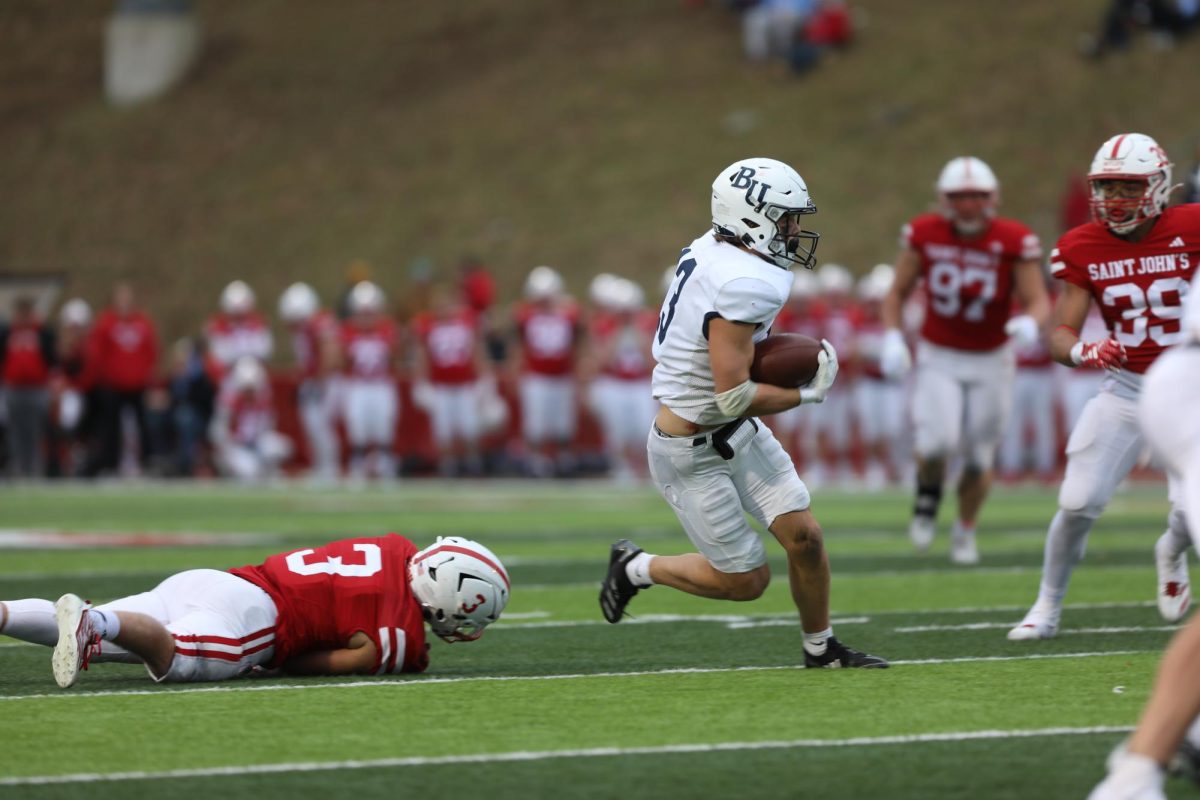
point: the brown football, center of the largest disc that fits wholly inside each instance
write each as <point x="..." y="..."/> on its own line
<point x="785" y="359"/>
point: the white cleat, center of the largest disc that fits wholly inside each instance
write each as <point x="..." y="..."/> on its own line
<point x="962" y="546"/>
<point x="921" y="532"/>
<point x="1174" y="591"/>
<point x="1036" y="625"/>
<point x="77" y="640"/>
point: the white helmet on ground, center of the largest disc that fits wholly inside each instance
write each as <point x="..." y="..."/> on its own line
<point x="75" y="312"/>
<point x="1130" y="157"/>
<point x="237" y="298"/>
<point x="461" y="585"/>
<point x="298" y="303"/>
<point x="543" y="283"/>
<point x="968" y="174"/>
<point x="366" y="298"/>
<point x="835" y="279"/>
<point x="248" y="374"/>
<point x="752" y="197"/>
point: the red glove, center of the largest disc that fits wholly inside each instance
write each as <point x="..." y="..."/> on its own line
<point x="1107" y="354"/>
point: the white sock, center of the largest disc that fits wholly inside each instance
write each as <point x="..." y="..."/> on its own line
<point x="31" y="621"/>
<point x="1066" y="541"/>
<point x="638" y="570"/>
<point x="1176" y="539"/>
<point x="106" y="623"/>
<point x="815" y="643"/>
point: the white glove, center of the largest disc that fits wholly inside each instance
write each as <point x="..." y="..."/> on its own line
<point x="1023" y="329"/>
<point x="827" y="369"/>
<point x="1131" y="777"/>
<point x="894" y="358"/>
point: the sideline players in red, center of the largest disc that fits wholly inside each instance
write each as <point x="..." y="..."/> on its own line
<point x="1135" y="260"/>
<point x="354" y="606"/>
<point x="972" y="263"/>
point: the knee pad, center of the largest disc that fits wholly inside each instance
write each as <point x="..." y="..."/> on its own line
<point x="1080" y="499"/>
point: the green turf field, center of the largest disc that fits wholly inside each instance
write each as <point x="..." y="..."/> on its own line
<point x="692" y="698"/>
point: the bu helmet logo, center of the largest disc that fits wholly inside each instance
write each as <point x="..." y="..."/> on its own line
<point x="744" y="179"/>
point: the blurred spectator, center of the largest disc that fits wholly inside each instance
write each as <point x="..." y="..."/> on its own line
<point x="449" y="376"/>
<point x="830" y="26"/>
<point x="192" y="397"/>
<point x="479" y="290"/>
<point x="834" y="315"/>
<point x="125" y="345"/>
<point x="1164" y="20"/>
<point x="1033" y="409"/>
<point x="797" y="316"/>
<point x="370" y="345"/>
<point x="246" y="445"/>
<point x="27" y="356"/>
<point x="237" y="330"/>
<point x="771" y="27"/>
<point x="74" y="404"/>
<point x="878" y="403"/>
<point x="315" y="346"/>
<point x="548" y="341"/>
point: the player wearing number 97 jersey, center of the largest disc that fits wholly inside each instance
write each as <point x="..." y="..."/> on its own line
<point x="972" y="263"/>
<point x="351" y="606"/>
<point x="1135" y="261"/>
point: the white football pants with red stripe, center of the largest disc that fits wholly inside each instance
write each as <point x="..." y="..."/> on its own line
<point x="222" y="625"/>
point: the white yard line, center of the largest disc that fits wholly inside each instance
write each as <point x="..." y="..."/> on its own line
<point x="980" y="626"/>
<point x="544" y="755"/>
<point x="733" y="621"/>
<point x="251" y="686"/>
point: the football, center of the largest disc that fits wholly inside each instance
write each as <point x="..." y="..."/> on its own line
<point x="785" y="359"/>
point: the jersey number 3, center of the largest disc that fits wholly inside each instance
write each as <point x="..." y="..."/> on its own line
<point x="682" y="273"/>
<point x="333" y="565"/>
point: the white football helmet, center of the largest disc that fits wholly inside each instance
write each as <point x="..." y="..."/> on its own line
<point x="835" y="279"/>
<point x="298" y="303"/>
<point x="628" y="296"/>
<point x="543" y="283"/>
<point x="75" y="312"/>
<point x="237" y="298"/>
<point x="877" y="283"/>
<point x="968" y="174"/>
<point x="1130" y="157"/>
<point x="602" y="291"/>
<point x="751" y="198"/>
<point x="461" y="585"/>
<point x="366" y="298"/>
<point x="805" y="286"/>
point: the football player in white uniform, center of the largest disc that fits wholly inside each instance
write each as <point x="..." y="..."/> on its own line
<point x="1136" y="769"/>
<point x="709" y="457"/>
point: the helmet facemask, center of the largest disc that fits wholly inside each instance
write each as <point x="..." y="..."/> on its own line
<point x="1121" y="214"/>
<point x="791" y="244"/>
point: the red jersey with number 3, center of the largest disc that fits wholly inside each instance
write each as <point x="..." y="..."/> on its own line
<point x="969" y="281"/>
<point x="325" y="595"/>
<point x="1139" y="286"/>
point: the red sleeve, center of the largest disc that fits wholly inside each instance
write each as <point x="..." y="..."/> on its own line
<point x="1065" y="263"/>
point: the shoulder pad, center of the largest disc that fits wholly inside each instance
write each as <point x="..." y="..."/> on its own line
<point x="748" y="300"/>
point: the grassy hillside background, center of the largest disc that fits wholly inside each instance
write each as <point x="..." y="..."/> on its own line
<point x="581" y="134"/>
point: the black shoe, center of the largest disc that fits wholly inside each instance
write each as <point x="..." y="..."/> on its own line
<point x="1185" y="763"/>
<point x="617" y="590"/>
<point x="838" y="655"/>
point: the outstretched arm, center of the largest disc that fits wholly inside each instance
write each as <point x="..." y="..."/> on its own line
<point x="356" y="658"/>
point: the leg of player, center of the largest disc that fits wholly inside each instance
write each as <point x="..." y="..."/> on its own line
<point x="931" y="471"/>
<point x="81" y="628"/>
<point x="1171" y="563"/>
<point x="973" y="488"/>
<point x="30" y="620"/>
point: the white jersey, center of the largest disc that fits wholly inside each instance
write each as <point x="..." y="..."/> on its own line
<point x="713" y="279"/>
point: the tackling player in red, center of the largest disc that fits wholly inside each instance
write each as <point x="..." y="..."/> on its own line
<point x="1134" y="260"/>
<point x="972" y="263"/>
<point x="354" y="606"/>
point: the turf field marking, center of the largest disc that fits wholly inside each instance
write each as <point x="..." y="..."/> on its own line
<point x="979" y="626"/>
<point x="543" y="755"/>
<point x="50" y="539"/>
<point x="249" y="686"/>
<point x="733" y="621"/>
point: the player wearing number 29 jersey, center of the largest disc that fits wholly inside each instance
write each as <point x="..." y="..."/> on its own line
<point x="1134" y="260"/>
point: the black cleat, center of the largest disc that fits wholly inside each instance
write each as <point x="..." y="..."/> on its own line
<point x="837" y="655"/>
<point x="617" y="590"/>
<point x="1185" y="763"/>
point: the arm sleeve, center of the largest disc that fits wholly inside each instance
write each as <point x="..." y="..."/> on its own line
<point x="1062" y="269"/>
<point x="748" y="300"/>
